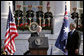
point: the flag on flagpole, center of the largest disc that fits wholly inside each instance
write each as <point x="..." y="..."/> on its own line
<point x="11" y="33"/>
<point x="62" y="38"/>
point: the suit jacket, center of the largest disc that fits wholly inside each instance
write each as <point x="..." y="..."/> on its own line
<point x="75" y="15"/>
<point x="35" y="34"/>
<point x="73" y="41"/>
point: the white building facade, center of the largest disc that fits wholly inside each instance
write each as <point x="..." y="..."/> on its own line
<point x="57" y="9"/>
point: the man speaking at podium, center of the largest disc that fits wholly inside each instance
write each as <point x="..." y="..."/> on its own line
<point x="38" y="33"/>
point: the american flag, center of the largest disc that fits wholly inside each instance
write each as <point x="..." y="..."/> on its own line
<point x="62" y="38"/>
<point x="11" y="33"/>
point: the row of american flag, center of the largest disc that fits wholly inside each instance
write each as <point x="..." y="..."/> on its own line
<point x="11" y="34"/>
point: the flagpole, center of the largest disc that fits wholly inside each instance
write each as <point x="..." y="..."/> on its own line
<point x="65" y="7"/>
<point x="9" y="27"/>
<point x="65" y="2"/>
<point x="9" y="24"/>
<point x="63" y="35"/>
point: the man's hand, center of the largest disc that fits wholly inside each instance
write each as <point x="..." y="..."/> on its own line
<point x="76" y="51"/>
<point x="66" y="50"/>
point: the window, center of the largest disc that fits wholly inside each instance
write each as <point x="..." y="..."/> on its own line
<point x="22" y="17"/>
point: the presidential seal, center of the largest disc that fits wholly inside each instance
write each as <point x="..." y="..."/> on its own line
<point x="33" y="27"/>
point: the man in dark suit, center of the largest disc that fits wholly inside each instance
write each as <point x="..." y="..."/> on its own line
<point x="47" y="15"/>
<point x="29" y="14"/>
<point x="39" y="15"/>
<point x="38" y="33"/>
<point x="18" y="15"/>
<point x="73" y="41"/>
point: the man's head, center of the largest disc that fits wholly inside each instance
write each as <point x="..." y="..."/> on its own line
<point x="72" y="26"/>
<point x="40" y="8"/>
<point x="48" y="8"/>
<point x="18" y="6"/>
<point x="29" y="7"/>
<point x="39" y="28"/>
<point x="74" y="9"/>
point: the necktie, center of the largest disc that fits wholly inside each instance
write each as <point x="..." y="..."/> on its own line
<point x="71" y="33"/>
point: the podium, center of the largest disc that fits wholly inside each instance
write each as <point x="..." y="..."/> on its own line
<point x="38" y="45"/>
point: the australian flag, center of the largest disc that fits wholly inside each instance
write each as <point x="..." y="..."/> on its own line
<point x="62" y="38"/>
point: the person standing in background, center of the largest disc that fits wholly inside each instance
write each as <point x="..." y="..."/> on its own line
<point x="73" y="41"/>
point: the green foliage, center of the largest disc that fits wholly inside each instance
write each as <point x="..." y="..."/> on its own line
<point x="46" y="28"/>
<point x="23" y="28"/>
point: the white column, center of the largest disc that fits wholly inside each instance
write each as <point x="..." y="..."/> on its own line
<point x="57" y="7"/>
<point x="4" y="16"/>
<point x="68" y="7"/>
<point x="74" y="4"/>
<point x="58" y="10"/>
<point x="44" y="6"/>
